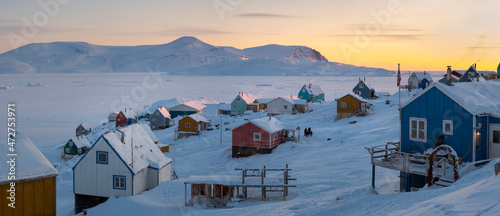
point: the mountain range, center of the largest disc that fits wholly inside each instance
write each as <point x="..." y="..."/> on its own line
<point x="184" y="56"/>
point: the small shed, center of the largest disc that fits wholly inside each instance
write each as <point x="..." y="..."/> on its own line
<point x="351" y="105"/>
<point x="124" y="162"/>
<point x="191" y="125"/>
<point x="311" y="93"/>
<point x="242" y="103"/>
<point x="83" y="129"/>
<point x="364" y="90"/>
<point x="76" y="146"/>
<point x="160" y="119"/>
<point x="282" y="105"/>
<point x="126" y="117"/>
<point x="34" y="183"/>
<point x="262" y="102"/>
<point x="212" y="191"/>
<point x="185" y="109"/>
<point x="419" y="80"/>
<point x="260" y="136"/>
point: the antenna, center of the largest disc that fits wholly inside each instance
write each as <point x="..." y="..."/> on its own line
<point x="132" y="145"/>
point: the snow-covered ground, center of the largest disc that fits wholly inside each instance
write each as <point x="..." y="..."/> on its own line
<point x="333" y="176"/>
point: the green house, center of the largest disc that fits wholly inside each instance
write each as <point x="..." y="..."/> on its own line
<point x="311" y="93"/>
<point x="76" y="146"/>
<point x="240" y="103"/>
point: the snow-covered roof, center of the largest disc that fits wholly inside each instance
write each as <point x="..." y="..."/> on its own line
<point x="368" y="86"/>
<point x="146" y="153"/>
<point x="245" y="98"/>
<point x="380" y="94"/>
<point x="476" y="97"/>
<point x="81" y="141"/>
<point x="294" y="101"/>
<point x="85" y="125"/>
<point x="195" y="105"/>
<point x="30" y="162"/>
<point x="150" y="133"/>
<point x="472" y="70"/>
<point x="354" y="96"/>
<point x="164" y="112"/>
<point x="271" y="125"/>
<point x="422" y="75"/>
<point x="214" y="179"/>
<point x="197" y="117"/>
<point x="129" y="113"/>
<point x="263" y="100"/>
<point x="313" y="89"/>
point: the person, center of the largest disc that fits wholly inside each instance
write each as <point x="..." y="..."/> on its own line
<point x="310" y="131"/>
<point x="238" y="155"/>
<point x="305" y="132"/>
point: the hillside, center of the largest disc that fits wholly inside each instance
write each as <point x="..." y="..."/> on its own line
<point x="186" y="55"/>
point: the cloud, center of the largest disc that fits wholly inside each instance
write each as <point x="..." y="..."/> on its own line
<point x="265" y="15"/>
<point x="179" y="32"/>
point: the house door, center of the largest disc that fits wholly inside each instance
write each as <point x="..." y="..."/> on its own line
<point x="363" y="107"/>
<point x="494" y="140"/>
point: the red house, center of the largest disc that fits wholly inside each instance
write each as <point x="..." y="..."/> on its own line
<point x="260" y="136"/>
<point x="125" y="118"/>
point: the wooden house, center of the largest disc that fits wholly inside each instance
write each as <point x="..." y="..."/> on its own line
<point x="282" y="105"/>
<point x="191" y="125"/>
<point x="212" y="191"/>
<point x="364" y="90"/>
<point x="185" y="109"/>
<point x="34" y="184"/>
<point x="112" y="116"/>
<point x="83" y="129"/>
<point x="351" y="105"/>
<point x="160" y="119"/>
<point x="261" y="136"/>
<point x="419" y="80"/>
<point x="76" y="146"/>
<point x="311" y="93"/>
<point x="463" y="118"/>
<point x="488" y="75"/>
<point x="124" y="162"/>
<point x="262" y="102"/>
<point x="242" y="103"/>
<point x="126" y="117"/>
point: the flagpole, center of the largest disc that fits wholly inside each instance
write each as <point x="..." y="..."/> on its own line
<point x="399" y="86"/>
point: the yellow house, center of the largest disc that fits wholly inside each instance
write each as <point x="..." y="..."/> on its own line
<point x="34" y="187"/>
<point x="192" y="125"/>
<point x="351" y="105"/>
<point x="262" y="102"/>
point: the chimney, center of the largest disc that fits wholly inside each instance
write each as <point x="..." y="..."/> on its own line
<point x="448" y="72"/>
<point x="310" y="84"/>
<point x="123" y="137"/>
<point x="364" y="79"/>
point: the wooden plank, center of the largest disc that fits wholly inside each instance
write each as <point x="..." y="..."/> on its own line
<point x="51" y="202"/>
<point x="19" y="211"/>
<point x="38" y="197"/>
<point x="28" y="198"/>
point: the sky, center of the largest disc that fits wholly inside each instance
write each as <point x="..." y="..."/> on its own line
<point x="421" y="35"/>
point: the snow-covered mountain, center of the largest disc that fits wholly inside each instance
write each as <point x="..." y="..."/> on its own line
<point x="186" y="55"/>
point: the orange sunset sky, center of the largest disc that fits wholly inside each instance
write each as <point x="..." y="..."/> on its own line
<point x="421" y="35"/>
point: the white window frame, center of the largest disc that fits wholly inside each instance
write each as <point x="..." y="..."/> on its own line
<point x="343" y="105"/>
<point x="418" y="120"/>
<point x="276" y="135"/>
<point x="255" y="139"/>
<point x="187" y="125"/>
<point x="361" y="85"/>
<point x="451" y="127"/>
<point x="66" y="150"/>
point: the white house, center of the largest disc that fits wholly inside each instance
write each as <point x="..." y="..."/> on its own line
<point x="282" y="105"/>
<point x="112" y="166"/>
<point x="419" y="80"/>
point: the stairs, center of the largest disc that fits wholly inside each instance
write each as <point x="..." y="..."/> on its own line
<point x="444" y="182"/>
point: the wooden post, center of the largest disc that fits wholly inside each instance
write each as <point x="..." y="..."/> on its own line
<point x="185" y="194"/>
<point x="373" y="176"/>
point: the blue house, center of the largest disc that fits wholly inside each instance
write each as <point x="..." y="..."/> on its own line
<point x="419" y="80"/>
<point x="312" y="93"/>
<point x="364" y="90"/>
<point x="464" y="114"/>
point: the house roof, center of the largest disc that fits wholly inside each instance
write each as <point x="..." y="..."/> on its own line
<point x="30" y="162"/>
<point x="422" y="75"/>
<point x="129" y="113"/>
<point x="454" y="79"/>
<point x="368" y="86"/>
<point x="294" y="101"/>
<point x="150" y="133"/>
<point x="245" y="98"/>
<point x="197" y="117"/>
<point x="164" y="112"/>
<point x="146" y="153"/>
<point x="215" y="179"/>
<point x="270" y="125"/>
<point x="352" y="95"/>
<point x="263" y="100"/>
<point x="85" y="125"/>
<point x="313" y="89"/>
<point x="81" y="141"/>
<point x="471" y="69"/>
<point x="191" y="104"/>
<point x="475" y="97"/>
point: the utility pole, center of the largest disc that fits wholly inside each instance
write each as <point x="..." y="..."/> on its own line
<point x="220" y="124"/>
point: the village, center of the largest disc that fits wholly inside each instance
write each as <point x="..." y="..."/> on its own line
<point x="448" y="128"/>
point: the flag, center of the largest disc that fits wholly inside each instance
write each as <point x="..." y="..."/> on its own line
<point x="399" y="76"/>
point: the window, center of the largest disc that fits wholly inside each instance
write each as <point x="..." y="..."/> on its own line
<point x="418" y="129"/>
<point x="66" y="150"/>
<point x="238" y="99"/>
<point x="187" y="125"/>
<point x="303" y="90"/>
<point x="235" y="106"/>
<point x="256" y="136"/>
<point x="343" y="105"/>
<point x="356" y="92"/>
<point x="361" y="85"/>
<point x="448" y="127"/>
<point x="262" y="106"/>
<point x="276" y="135"/>
<point x="102" y="157"/>
<point x="119" y="182"/>
<point x="71" y="144"/>
<point x="285" y="107"/>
